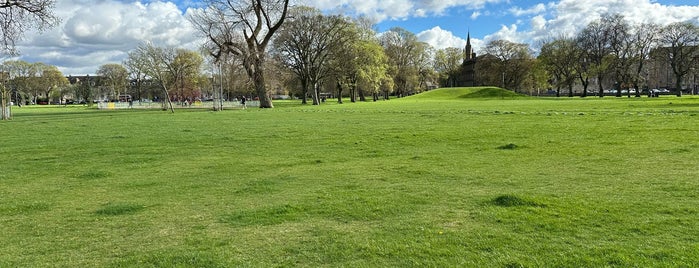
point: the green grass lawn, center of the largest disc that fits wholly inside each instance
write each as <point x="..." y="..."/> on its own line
<point x="453" y="177"/>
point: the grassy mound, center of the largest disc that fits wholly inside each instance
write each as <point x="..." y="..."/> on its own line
<point x="468" y="93"/>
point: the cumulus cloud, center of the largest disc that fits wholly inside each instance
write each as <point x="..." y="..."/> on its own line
<point x="568" y="17"/>
<point x="537" y="9"/>
<point x="97" y="32"/>
<point x="440" y="39"/>
<point x="398" y="9"/>
<point x="475" y="15"/>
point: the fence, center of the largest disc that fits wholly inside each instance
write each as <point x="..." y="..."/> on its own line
<point x="176" y="105"/>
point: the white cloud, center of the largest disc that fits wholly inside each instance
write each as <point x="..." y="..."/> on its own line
<point x="475" y="15"/>
<point x="93" y="33"/>
<point x="537" y="9"/>
<point x="569" y="16"/>
<point x="398" y="9"/>
<point x="440" y="39"/>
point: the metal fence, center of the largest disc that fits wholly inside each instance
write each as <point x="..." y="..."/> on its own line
<point x="176" y="105"/>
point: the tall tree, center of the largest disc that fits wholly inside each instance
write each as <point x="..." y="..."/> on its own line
<point x="21" y="75"/>
<point x="157" y="64"/>
<point x="644" y="39"/>
<point x="680" y="43"/>
<point x="51" y="80"/>
<point x="18" y="16"/>
<point x="115" y="77"/>
<point x="308" y="42"/>
<point x="559" y="58"/>
<point x="621" y="46"/>
<point x="513" y="61"/>
<point x="222" y="23"/>
<point x="404" y="50"/>
<point x="447" y="62"/>
<point x="185" y="69"/>
<point x="593" y="42"/>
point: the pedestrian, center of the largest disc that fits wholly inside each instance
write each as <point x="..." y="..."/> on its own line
<point x="242" y="102"/>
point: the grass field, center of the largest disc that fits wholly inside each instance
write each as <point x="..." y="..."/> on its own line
<point x="457" y="177"/>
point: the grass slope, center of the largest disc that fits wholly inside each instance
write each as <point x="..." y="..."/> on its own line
<point x="419" y="181"/>
<point x="468" y="93"/>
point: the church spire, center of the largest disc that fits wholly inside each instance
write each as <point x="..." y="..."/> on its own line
<point x="468" y="50"/>
<point x="468" y="38"/>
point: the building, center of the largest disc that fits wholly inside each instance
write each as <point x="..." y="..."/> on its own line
<point x="467" y="74"/>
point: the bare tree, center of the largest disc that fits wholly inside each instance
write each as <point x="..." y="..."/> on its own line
<point x="644" y="38"/>
<point x="308" y="42"/>
<point x="157" y="64"/>
<point x="18" y="16"/>
<point x="681" y="49"/>
<point x="243" y="28"/>
<point x="593" y="42"/>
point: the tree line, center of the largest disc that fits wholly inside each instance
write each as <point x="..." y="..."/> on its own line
<point x="266" y="48"/>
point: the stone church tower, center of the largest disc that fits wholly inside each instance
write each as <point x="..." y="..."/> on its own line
<point x="467" y="77"/>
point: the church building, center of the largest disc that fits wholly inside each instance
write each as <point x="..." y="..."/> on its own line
<point x="467" y="76"/>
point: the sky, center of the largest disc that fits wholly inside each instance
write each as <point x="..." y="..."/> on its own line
<point x="97" y="32"/>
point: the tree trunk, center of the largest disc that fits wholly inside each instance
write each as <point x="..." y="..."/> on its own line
<point x="570" y="90"/>
<point x="361" y="94"/>
<point x="599" y="85"/>
<point x="3" y="105"/>
<point x="678" y="84"/>
<point x="353" y="93"/>
<point x="169" y="102"/>
<point x="304" y="91"/>
<point x="316" y="93"/>
<point x="260" y="87"/>
<point x="339" y="92"/>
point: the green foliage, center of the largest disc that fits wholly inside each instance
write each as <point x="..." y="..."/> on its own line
<point x="416" y="181"/>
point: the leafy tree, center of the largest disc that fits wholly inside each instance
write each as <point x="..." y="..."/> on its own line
<point x="18" y="16"/>
<point x="243" y="28"/>
<point x="680" y="43"/>
<point x="361" y="63"/>
<point x="559" y="57"/>
<point x="115" y="77"/>
<point x="404" y="52"/>
<point x="51" y="80"/>
<point x="372" y="67"/>
<point x="185" y="70"/>
<point x="447" y="63"/>
<point x="512" y="62"/>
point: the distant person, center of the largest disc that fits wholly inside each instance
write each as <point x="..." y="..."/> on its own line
<point x="242" y="102"/>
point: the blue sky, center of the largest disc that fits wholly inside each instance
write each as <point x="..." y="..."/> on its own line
<point x="93" y="33"/>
